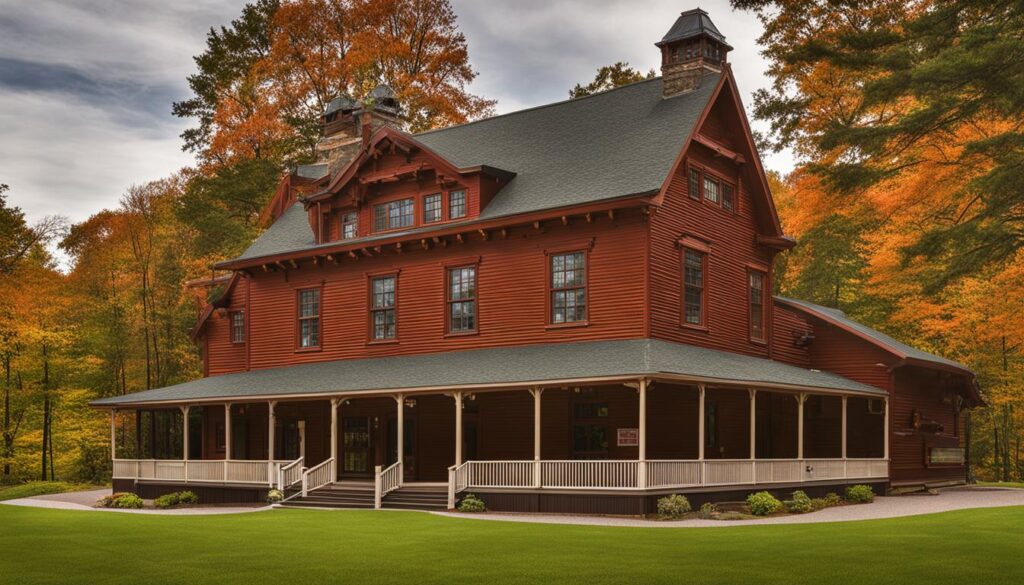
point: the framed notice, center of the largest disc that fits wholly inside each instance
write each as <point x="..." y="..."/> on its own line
<point x="946" y="456"/>
<point x="627" y="437"/>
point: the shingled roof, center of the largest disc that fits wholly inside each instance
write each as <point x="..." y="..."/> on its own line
<point x="609" y="145"/>
<point x="499" y="366"/>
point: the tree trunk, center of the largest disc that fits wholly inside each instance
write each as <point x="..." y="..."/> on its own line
<point x="8" y="432"/>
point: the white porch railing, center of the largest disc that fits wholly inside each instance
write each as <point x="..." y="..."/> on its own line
<point x="197" y="471"/>
<point x="289" y="474"/>
<point x="656" y="474"/>
<point x="318" y="476"/>
<point x="385" y="481"/>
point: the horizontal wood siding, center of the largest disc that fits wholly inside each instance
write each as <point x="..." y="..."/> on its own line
<point x="787" y="327"/>
<point x="932" y="395"/>
<point x="512" y="296"/>
<point x="840" y="352"/>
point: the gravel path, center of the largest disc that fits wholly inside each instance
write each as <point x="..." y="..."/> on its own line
<point x="85" y="500"/>
<point x="883" y="507"/>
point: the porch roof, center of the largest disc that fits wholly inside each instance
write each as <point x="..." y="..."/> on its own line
<point x="497" y="367"/>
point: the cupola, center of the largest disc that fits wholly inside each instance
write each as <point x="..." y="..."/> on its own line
<point x="691" y="49"/>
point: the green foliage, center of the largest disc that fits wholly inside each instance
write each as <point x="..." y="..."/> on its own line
<point x="763" y="504"/>
<point x="274" y="496"/>
<point x="818" y="504"/>
<point x="800" y="504"/>
<point x="673" y="507"/>
<point x="610" y="77"/>
<point x="708" y="509"/>
<point x="38" y="488"/>
<point x="188" y="497"/>
<point x="860" y="494"/>
<point x="124" y="500"/>
<point x="471" y="503"/>
<point x="833" y="499"/>
<point x="175" y="498"/>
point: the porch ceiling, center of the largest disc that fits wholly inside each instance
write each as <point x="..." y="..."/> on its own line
<point x="497" y="367"/>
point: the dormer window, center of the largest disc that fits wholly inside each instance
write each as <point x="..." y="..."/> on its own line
<point x="432" y="208"/>
<point x="349" y="225"/>
<point x="457" y="204"/>
<point x="393" y="215"/>
<point x="711" y="189"/>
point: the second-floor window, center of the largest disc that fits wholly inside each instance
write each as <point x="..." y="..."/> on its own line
<point x="238" y="327"/>
<point x="711" y="189"/>
<point x="349" y="225"/>
<point x="432" y="208"/>
<point x="309" y="318"/>
<point x="462" y="299"/>
<point x="694" y="184"/>
<point x="693" y="287"/>
<point x="568" y="288"/>
<point x="383" y="321"/>
<point x="456" y="204"/>
<point x="394" y="214"/>
<point x="756" y="305"/>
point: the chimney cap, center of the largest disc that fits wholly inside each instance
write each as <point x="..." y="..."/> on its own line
<point x="691" y="24"/>
<point x="342" y="102"/>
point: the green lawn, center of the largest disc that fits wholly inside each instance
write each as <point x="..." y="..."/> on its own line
<point x="39" y="488"/>
<point x="312" y="547"/>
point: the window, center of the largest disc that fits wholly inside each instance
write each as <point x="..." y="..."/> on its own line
<point x="432" y="208"/>
<point x="711" y="425"/>
<point x="309" y="318"/>
<point x="589" y="440"/>
<point x="590" y="409"/>
<point x="711" y="189"/>
<point x="382" y="308"/>
<point x="568" y="288"/>
<point x="238" y="327"/>
<point x="694" y="187"/>
<point x="756" y="305"/>
<point x="693" y="287"/>
<point x="727" y="197"/>
<point x="456" y="204"/>
<point x="349" y="225"/>
<point x="395" y="214"/>
<point x="462" y="299"/>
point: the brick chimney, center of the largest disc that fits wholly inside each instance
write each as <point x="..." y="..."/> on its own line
<point x="346" y="125"/>
<point x="690" y="50"/>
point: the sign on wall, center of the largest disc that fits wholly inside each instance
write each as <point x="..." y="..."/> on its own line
<point x="946" y="455"/>
<point x="627" y="437"/>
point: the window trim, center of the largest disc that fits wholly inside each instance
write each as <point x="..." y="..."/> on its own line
<point x="704" y="251"/>
<point x="549" y="290"/>
<point x="370" y="277"/>
<point x="406" y="197"/>
<point x="231" y="326"/>
<point x="298" y="319"/>
<point x="447" y="268"/>
<point x="343" y="223"/>
<point x="440" y="208"/>
<point x="702" y="174"/>
<point x="764" y="306"/>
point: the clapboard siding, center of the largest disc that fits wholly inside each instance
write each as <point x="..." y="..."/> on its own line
<point x="787" y="327"/>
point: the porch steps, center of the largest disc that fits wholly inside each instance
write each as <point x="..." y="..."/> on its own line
<point x="338" y="495"/>
<point x="417" y="497"/>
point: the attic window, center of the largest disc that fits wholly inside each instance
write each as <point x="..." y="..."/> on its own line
<point x="432" y="208"/>
<point x="711" y="189"/>
<point x="457" y="204"/>
<point x="727" y="197"/>
<point x="349" y="225"/>
<point x="694" y="184"/>
<point x="394" y="214"/>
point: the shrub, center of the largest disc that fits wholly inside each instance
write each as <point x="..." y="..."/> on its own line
<point x="707" y="510"/>
<point x="673" y="507"/>
<point x="188" y="497"/>
<point x="800" y="504"/>
<point x="274" y="496"/>
<point x="763" y="504"/>
<point x="167" y="500"/>
<point x="832" y="499"/>
<point x="471" y="503"/>
<point x="108" y="501"/>
<point x="860" y="494"/>
<point x="818" y="504"/>
<point x="126" y="501"/>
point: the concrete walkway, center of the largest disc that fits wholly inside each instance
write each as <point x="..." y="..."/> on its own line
<point x="883" y="507"/>
<point x="86" y="499"/>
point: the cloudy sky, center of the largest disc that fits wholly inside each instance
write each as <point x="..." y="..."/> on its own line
<point x="86" y="86"/>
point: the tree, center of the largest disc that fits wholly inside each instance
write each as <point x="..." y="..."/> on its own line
<point x="17" y="238"/>
<point x="610" y="77"/>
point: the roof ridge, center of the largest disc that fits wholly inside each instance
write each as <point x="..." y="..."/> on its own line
<point x="540" y="107"/>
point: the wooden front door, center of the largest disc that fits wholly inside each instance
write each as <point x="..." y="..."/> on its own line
<point x="358" y="455"/>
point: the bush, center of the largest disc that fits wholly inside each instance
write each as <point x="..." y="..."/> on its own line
<point x="167" y="500"/>
<point x="707" y="510"/>
<point x="763" y="504"/>
<point x="860" y="494"/>
<point x="673" y="507"/>
<point x="800" y="504"/>
<point x="471" y="503"/>
<point x="818" y="504"/>
<point x="126" y="501"/>
<point x="274" y="496"/>
<point x="188" y="497"/>
<point x="832" y="499"/>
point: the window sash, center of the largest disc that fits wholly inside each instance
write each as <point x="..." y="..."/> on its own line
<point x="756" y="296"/>
<point x="456" y="204"/>
<point x="693" y="287"/>
<point x="309" y="318"/>
<point x="462" y="299"/>
<point x="432" y="208"/>
<point x="349" y="225"/>
<point x="710" y="189"/>
<point x="694" y="186"/>
<point x="394" y="214"/>
<point x="568" y="288"/>
<point x="383" y="300"/>
<point x="728" y="197"/>
<point x="238" y="327"/>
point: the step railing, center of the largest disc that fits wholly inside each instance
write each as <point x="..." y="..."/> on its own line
<point x="318" y="476"/>
<point x="289" y="474"/>
<point x="385" y="481"/>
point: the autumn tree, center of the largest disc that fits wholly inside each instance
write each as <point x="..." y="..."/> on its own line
<point x="610" y="77"/>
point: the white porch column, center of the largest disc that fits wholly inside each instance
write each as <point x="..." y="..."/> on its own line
<point x="641" y="471"/>
<point x="753" y="424"/>
<point x="335" y="403"/>
<point x="458" y="428"/>
<point x="113" y="434"/>
<point x="536" y="393"/>
<point x="700" y="424"/>
<point x="885" y="432"/>
<point x="184" y="437"/>
<point x="843" y="441"/>
<point x="227" y="438"/>
<point x="800" y="398"/>
<point x="270" y="441"/>
<point x="400" y="431"/>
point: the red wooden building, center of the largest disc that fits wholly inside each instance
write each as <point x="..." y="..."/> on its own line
<point x="565" y="308"/>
